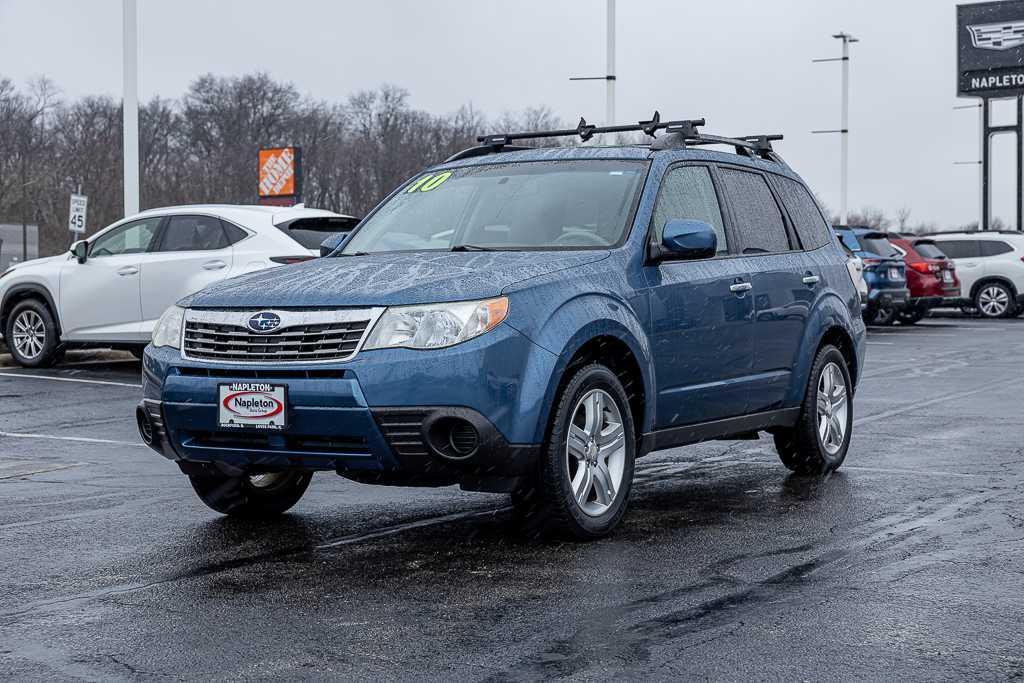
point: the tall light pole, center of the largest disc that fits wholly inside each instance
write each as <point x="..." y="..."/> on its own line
<point x="609" y="77"/>
<point x="844" y="130"/>
<point x="130" y="123"/>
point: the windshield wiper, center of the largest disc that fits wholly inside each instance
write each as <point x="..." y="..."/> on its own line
<point x="470" y="247"/>
<point x="354" y="253"/>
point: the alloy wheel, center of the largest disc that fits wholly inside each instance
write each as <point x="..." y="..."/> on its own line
<point x="596" y="452"/>
<point x="833" y="408"/>
<point x="29" y="334"/>
<point x="993" y="301"/>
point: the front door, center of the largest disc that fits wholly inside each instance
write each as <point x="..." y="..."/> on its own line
<point x="193" y="252"/>
<point x="100" y="299"/>
<point x="701" y="313"/>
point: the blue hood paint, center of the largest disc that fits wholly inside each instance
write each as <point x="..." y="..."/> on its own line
<point x="389" y="279"/>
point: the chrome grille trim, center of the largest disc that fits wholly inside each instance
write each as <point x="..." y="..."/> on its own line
<point x="304" y="336"/>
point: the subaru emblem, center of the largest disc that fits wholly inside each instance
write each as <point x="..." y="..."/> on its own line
<point x="264" y="322"/>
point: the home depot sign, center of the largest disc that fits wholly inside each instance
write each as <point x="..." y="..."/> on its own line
<point x="280" y="175"/>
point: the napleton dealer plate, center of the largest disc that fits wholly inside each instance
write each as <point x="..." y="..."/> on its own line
<point x="252" y="405"/>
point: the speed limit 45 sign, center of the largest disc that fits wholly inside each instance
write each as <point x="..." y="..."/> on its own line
<point x="77" y="214"/>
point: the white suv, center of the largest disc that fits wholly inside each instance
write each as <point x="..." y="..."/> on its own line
<point x="991" y="269"/>
<point x="110" y="289"/>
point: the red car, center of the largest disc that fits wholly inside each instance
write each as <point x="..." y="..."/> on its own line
<point x="931" y="278"/>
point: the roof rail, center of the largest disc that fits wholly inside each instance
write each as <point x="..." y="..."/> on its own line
<point x="681" y="134"/>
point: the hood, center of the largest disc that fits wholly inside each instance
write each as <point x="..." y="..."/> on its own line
<point x="388" y="279"/>
<point x="38" y="262"/>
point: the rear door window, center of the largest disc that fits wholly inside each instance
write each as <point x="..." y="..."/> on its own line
<point x="759" y="223"/>
<point x="193" y="233"/>
<point x="994" y="248"/>
<point x="960" y="248"/>
<point x="810" y="225"/>
<point x="688" y="193"/>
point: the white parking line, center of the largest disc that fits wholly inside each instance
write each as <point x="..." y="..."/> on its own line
<point x="81" y="439"/>
<point x="71" y="379"/>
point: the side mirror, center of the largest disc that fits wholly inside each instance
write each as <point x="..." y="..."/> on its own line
<point x="688" y="240"/>
<point x="81" y="250"/>
<point x="333" y="242"/>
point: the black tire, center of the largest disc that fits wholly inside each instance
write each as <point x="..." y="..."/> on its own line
<point x="884" y="316"/>
<point x="801" y="448"/>
<point x="37" y="315"/>
<point x="547" y="505"/>
<point x="995" y="300"/>
<point x="911" y="316"/>
<point x="248" y="496"/>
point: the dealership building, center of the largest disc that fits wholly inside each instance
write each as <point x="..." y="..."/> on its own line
<point x="12" y="246"/>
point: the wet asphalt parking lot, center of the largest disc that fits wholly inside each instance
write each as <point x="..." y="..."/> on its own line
<point x="907" y="564"/>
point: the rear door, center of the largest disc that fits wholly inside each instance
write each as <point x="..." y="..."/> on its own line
<point x="193" y="251"/>
<point x="100" y="299"/>
<point x="778" y="270"/>
<point x="701" y="312"/>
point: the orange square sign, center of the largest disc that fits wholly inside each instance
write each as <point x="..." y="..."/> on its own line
<point x="277" y="172"/>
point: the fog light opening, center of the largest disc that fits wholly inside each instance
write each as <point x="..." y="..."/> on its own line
<point x="145" y="426"/>
<point x="453" y="438"/>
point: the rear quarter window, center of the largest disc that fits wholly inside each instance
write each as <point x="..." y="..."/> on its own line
<point x="311" y="232"/>
<point x="810" y="225"/>
<point x="929" y="250"/>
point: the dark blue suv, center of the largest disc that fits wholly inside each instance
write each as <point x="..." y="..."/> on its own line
<point x="528" y="321"/>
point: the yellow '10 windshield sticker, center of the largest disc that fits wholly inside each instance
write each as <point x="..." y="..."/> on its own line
<point x="429" y="182"/>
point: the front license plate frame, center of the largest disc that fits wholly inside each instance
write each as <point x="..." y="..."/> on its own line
<point x="260" y="406"/>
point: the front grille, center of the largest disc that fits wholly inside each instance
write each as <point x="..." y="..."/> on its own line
<point x="263" y="441"/>
<point x="219" y="341"/>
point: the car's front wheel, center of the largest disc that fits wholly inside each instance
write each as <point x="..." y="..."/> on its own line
<point x="585" y="476"/>
<point x="819" y="441"/>
<point x="32" y="336"/>
<point x="254" y="495"/>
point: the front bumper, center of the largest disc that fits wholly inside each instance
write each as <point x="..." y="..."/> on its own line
<point x="372" y="419"/>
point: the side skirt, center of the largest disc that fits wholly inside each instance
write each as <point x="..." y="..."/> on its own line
<point x="733" y="427"/>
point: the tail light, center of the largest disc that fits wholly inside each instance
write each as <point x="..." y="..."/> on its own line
<point x="925" y="267"/>
<point x="871" y="263"/>
<point x="288" y="260"/>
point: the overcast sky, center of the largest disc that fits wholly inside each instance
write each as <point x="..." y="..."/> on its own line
<point x="745" y="65"/>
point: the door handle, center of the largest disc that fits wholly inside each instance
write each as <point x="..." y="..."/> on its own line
<point x="811" y="280"/>
<point x="128" y="270"/>
<point x="214" y="265"/>
<point x="741" y="287"/>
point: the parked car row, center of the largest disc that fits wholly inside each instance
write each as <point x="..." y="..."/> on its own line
<point x="905" y="276"/>
<point x="110" y="289"/>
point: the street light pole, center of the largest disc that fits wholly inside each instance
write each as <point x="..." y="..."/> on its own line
<point x="609" y="77"/>
<point x="131" y="109"/>
<point x="844" y="130"/>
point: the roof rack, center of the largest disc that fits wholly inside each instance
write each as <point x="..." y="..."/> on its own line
<point x="680" y="134"/>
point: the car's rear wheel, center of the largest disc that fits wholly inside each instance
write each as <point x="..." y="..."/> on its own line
<point x="819" y="442"/>
<point x="254" y="495"/>
<point x="884" y="315"/>
<point x="994" y="300"/>
<point x="585" y="478"/>
<point x="32" y="336"/>
<point x="911" y="316"/>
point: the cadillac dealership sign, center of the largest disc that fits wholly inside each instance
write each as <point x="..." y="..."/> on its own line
<point x="991" y="49"/>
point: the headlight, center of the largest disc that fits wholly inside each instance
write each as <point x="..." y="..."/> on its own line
<point x="168" y="329"/>
<point x="436" y="325"/>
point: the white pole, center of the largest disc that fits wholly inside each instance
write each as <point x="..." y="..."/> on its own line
<point x="982" y="123"/>
<point x="610" y="74"/>
<point x="844" y="174"/>
<point x="131" y="109"/>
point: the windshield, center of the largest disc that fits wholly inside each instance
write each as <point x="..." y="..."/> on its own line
<point x="520" y="207"/>
<point x="879" y="245"/>
<point x="929" y="250"/>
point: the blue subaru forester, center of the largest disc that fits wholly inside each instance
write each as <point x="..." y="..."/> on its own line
<point x="528" y="321"/>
